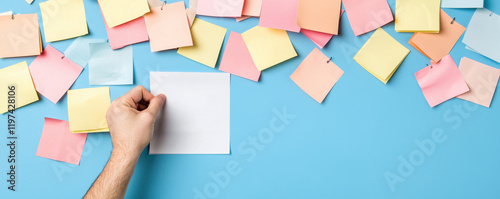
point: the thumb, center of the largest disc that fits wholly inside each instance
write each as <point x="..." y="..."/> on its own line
<point x="156" y="104"/>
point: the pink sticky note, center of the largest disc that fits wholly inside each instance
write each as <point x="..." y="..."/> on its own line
<point x="252" y="8"/>
<point x="220" y="8"/>
<point x="280" y="14"/>
<point x="481" y="79"/>
<point x="319" y="38"/>
<point x="237" y="59"/>
<point x="53" y="74"/>
<point x="58" y="143"/>
<point x="126" y="34"/>
<point x="441" y="81"/>
<point x="367" y="15"/>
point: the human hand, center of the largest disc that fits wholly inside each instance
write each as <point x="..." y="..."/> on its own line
<point x="131" y="120"/>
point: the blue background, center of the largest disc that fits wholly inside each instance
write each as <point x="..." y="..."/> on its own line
<point x="339" y="149"/>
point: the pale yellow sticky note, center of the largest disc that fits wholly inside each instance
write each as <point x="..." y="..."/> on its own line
<point x="117" y="12"/>
<point x="207" y="40"/>
<point x="23" y="91"/>
<point x="381" y="55"/>
<point x="268" y="46"/>
<point x="87" y="110"/>
<point x="417" y="15"/>
<point x="63" y="19"/>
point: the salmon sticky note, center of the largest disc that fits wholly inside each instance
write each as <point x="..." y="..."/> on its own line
<point x="481" y="79"/>
<point x="441" y="81"/>
<point x="63" y="19"/>
<point x="237" y="59"/>
<point x="220" y="8"/>
<point x="87" y="110"/>
<point x="280" y="14"/>
<point x="19" y="76"/>
<point x="252" y="8"/>
<point x="437" y="45"/>
<point x="268" y="46"/>
<point x="319" y="15"/>
<point x="318" y="38"/>
<point x="168" y="27"/>
<point x="19" y="35"/>
<point x="367" y="15"/>
<point x="317" y="75"/>
<point x="53" y="74"/>
<point x="79" y="52"/>
<point x="110" y="67"/>
<point x="207" y="40"/>
<point x="128" y="33"/>
<point x="381" y="55"/>
<point x="482" y="34"/>
<point x="117" y="12"/>
<point x="58" y="143"/>
<point x="417" y="15"/>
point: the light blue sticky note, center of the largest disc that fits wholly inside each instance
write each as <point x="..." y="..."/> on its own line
<point x="110" y="67"/>
<point x="78" y="51"/>
<point x="462" y="3"/>
<point x="482" y="34"/>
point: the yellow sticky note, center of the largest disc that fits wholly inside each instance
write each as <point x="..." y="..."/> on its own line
<point x="87" y="110"/>
<point x="417" y="15"/>
<point x="63" y="19"/>
<point x="268" y="46"/>
<point x="23" y="92"/>
<point x="381" y="55"/>
<point x="117" y="12"/>
<point x="207" y="41"/>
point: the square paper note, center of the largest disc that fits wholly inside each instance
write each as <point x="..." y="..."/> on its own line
<point x="128" y="33"/>
<point x="417" y="15"/>
<point x="367" y="15"/>
<point x="462" y="3"/>
<point x="482" y="34"/>
<point x="79" y="51"/>
<point x="195" y="120"/>
<point x="319" y="15"/>
<point x="280" y="14"/>
<point x="87" y="110"/>
<point x="117" y="12"/>
<point x="481" y="79"/>
<point x="237" y="60"/>
<point x="23" y="91"/>
<point x="220" y="8"/>
<point x="110" y="67"/>
<point x="63" y="19"/>
<point x="19" y="36"/>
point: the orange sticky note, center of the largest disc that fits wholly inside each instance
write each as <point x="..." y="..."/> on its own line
<point x="481" y="79"/>
<point x="168" y="27"/>
<point x="280" y="14"/>
<point x="19" y="36"/>
<point x="319" y="15"/>
<point x="252" y="8"/>
<point x="237" y="59"/>
<point x="238" y="19"/>
<point x="317" y="75"/>
<point x="437" y="45"/>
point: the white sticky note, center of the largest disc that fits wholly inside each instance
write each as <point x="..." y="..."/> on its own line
<point x="482" y="34"/>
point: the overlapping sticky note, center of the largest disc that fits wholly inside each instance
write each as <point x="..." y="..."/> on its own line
<point x="319" y="38"/>
<point x="238" y="19"/>
<point x="63" y="19"/>
<point x="319" y="15"/>
<point x="128" y="33"/>
<point x="481" y="79"/>
<point x="79" y="52"/>
<point x="237" y="59"/>
<point x="280" y="14"/>
<point x="437" y="45"/>
<point x="207" y="39"/>
<point x="58" y="143"/>
<point x="19" y="35"/>
<point x="381" y="55"/>
<point x="87" y="110"/>
<point x="252" y="8"/>
<point x="168" y="27"/>
<point x="317" y="75"/>
<point x="117" y="12"/>
<point x="110" y="67"/>
<point x="441" y="81"/>
<point x="268" y="46"/>
<point x="367" y="15"/>
<point x="483" y="32"/>
<point x="417" y="15"/>
<point x="462" y="3"/>
<point x="196" y="118"/>
<point x="220" y="8"/>
<point x="53" y="74"/>
<point x="23" y="91"/>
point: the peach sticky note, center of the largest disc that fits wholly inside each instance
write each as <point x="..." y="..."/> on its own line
<point x="19" y="36"/>
<point x="168" y="27"/>
<point x="437" y="45"/>
<point x="367" y="15"/>
<point x="481" y="79"/>
<point x="220" y="8"/>
<point x="381" y="55"/>
<point x="268" y="46"/>
<point x="117" y="12"/>
<point x="128" y="33"/>
<point x="252" y="8"/>
<point x="441" y="81"/>
<point x="318" y="38"/>
<point x="53" y="74"/>
<point x="319" y="15"/>
<point x="58" y="143"/>
<point x="238" y="19"/>
<point x="18" y="76"/>
<point x="417" y="15"/>
<point x="63" y="19"/>
<point x="280" y="14"/>
<point x="207" y="40"/>
<point x="87" y="110"/>
<point x="317" y="75"/>
<point x="237" y="59"/>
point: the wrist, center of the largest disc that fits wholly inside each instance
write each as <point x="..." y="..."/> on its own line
<point x="126" y="153"/>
